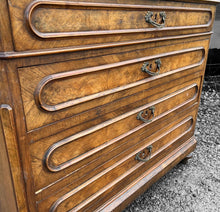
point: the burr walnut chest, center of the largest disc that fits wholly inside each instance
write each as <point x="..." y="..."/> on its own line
<point x="98" y="98"/>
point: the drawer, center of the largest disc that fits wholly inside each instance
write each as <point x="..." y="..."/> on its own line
<point x="90" y="24"/>
<point x="81" y="156"/>
<point x="124" y="167"/>
<point x="53" y="92"/>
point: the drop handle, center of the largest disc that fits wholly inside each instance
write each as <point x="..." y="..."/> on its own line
<point x="157" y="22"/>
<point x="146" y="113"/>
<point x="145" y="154"/>
<point x="147" y="67"/>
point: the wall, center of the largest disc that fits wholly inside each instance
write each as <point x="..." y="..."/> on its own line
<point x="215" y="41"/>
<point x="212" y="74"/>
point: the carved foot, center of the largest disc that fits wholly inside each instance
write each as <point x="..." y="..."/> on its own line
<point x="185" y="160"/>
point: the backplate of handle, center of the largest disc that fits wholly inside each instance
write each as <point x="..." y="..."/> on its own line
<point x="147" y="67"/>
<point x="142" y="156"/>
<point x="140" y="114"/>
<point x="162" y="18"/>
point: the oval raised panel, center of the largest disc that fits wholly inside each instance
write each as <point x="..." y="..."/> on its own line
<point x="54" y="157"/>
<point x="62" y="90"/>
<point x="57" y="19"/>
<point x="167" y="138"/>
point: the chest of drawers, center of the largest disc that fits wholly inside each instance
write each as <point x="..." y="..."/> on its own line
<point x="99" y="98"/>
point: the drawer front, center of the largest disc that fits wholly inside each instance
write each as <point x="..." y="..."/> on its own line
<point x="91" y="24"/>
<point x="124" y="167"/>
<point x="83" y="155"/>
<point x="57" y="91"/>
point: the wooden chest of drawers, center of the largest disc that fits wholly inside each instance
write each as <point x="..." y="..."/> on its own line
<point x="99" y="98"/>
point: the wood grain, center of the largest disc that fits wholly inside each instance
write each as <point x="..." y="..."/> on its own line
<point x="6" y="43"/>
<point x="106" y="112"/>
<point x="149" y="177"/>
<point x="125" y="165"/>
<point x="7" y="197"/>
<point x="102" y="19"/>
<point x="112" y="154"/>
<point x="80" y="162"/>
<point x="71" y="89"/>
<point x="10" y="151"/>
<point x="31" y="78"/>
<point x="61" y="162"/>
<point x="31" y="53"/>
<point x="49" y="100"/>
<point x="29" y="42"/>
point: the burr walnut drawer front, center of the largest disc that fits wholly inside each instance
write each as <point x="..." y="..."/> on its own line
<point x="59" y="159"/>
<point x="55" y="92"/>
<point x="121" y="165"/>
<point x="90" y="24"/>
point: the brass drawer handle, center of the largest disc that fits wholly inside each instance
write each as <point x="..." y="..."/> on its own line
<point x="139" y="116"/>
<point x="161" y="20"/>
<point x="141" y="156"/>
<point x="148" y="70"/>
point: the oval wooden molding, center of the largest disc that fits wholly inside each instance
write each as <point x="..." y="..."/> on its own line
<point x="59" y="76"/>
<point x="55" y="146"/>
<point x="59" y="201"/>
<point x="143" y="8"/>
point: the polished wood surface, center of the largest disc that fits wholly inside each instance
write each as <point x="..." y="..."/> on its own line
<point x="7" y="197"/>
<point x="12" y="189"/>
<point x="98" y="100"/>
<point x="66" y="23"/>
<point x="103" y="85"/>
